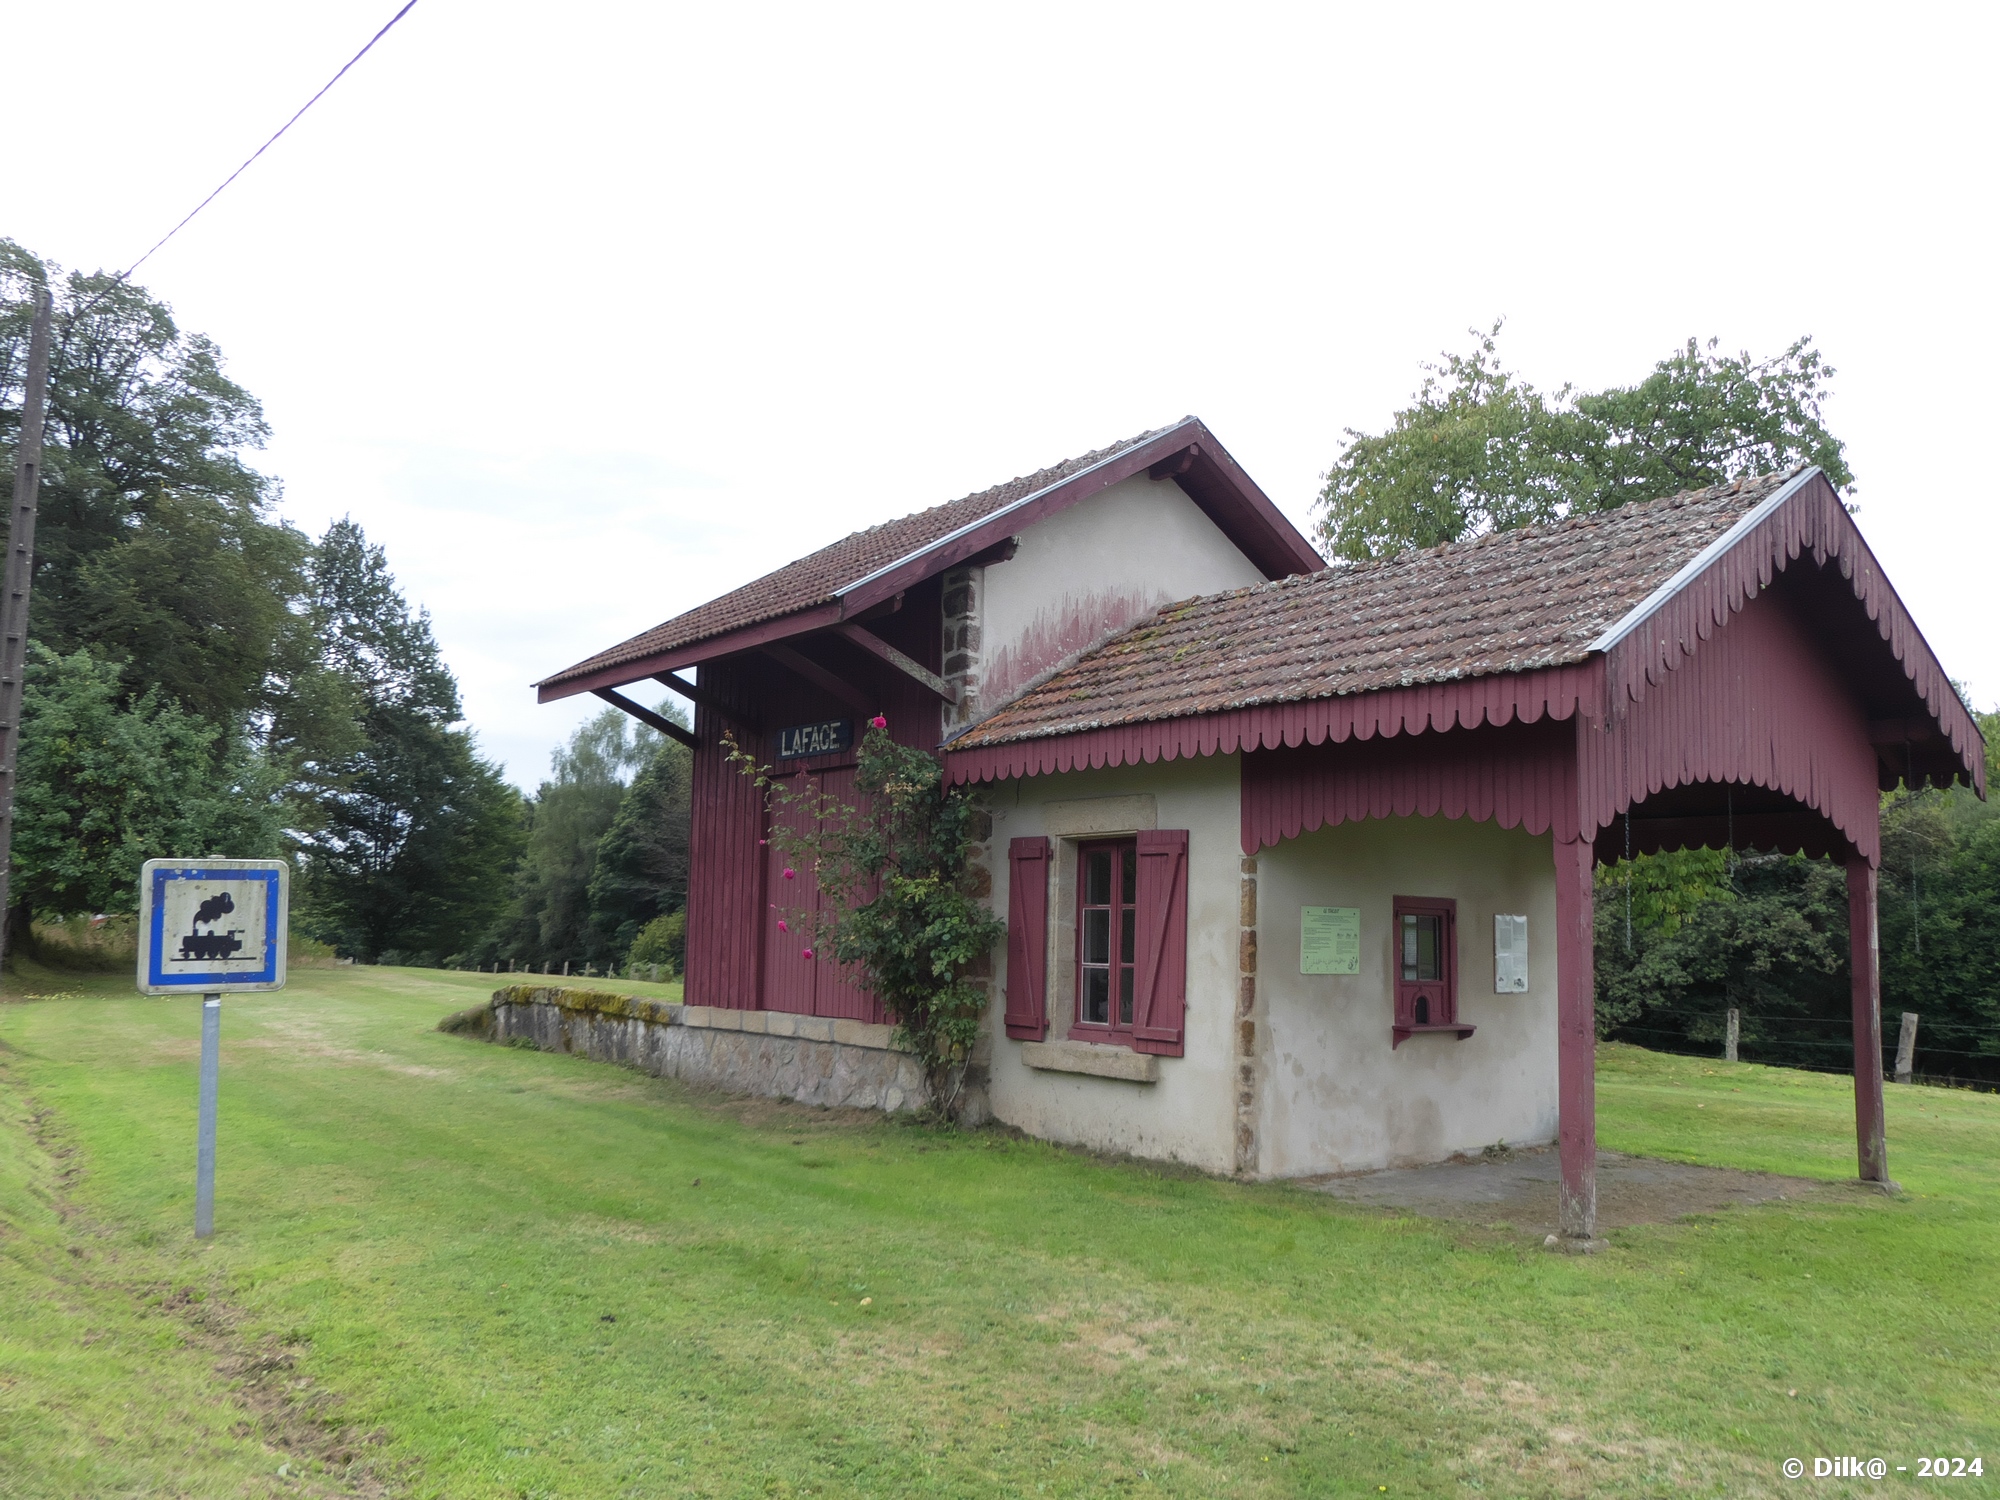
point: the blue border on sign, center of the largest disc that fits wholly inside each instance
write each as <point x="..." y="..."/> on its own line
<point x="183" y="980"/>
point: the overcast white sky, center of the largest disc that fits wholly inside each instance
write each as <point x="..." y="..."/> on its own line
<point x="588" y="312"/>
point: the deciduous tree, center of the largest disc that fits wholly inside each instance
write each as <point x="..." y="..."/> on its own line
<point x="1480" y="449"/>
<point x="106" y="784"/>
<point x="415" y="836"/>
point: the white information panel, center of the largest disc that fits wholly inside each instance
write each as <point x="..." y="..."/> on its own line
<point x="1510" y="955"/>
<point x="212" y="925"/>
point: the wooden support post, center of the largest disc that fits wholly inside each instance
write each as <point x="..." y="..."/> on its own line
<point x="1576" y="1039"/>
<point x="1732" y="1035"/>
<point x="1906" y="1048"/>
<point x="1864" y="959"/>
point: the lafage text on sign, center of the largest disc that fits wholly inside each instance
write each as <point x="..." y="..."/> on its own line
<point x="828" y="737"/>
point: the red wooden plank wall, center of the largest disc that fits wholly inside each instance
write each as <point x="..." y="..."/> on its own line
<point x="726" y="892"/>
<point x="734" y="956"/>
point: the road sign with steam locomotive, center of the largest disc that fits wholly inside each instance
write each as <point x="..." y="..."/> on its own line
<point x="212" y="925"/>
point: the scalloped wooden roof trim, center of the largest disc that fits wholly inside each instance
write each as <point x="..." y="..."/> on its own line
<point x="1498" y="698"/>
<point x="1806" y="517"/>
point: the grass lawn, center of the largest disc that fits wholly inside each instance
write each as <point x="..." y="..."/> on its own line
<point x="448" y="1268"/>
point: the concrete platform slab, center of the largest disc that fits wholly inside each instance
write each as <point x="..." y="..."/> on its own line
<point x="1518" y="1190"/>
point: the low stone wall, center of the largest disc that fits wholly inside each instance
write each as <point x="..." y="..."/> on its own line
<point x="813" y="1059"/>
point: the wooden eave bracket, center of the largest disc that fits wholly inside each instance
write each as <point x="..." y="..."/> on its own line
<point x="1175" y="464"/>
<point x="874" y="645"/>
<point x="1001" y="551"/>
<point x="694" y="692"/>
<point x="645" y="715"/>
<point x="827" y="682"/>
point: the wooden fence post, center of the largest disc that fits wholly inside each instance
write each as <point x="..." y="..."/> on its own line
<point x="1733" y="1035"/>
<point x="1906" y="1048"/>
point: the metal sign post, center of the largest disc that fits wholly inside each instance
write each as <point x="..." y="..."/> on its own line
<point x="204" y="1131"/>
<point x="212" y="926"/>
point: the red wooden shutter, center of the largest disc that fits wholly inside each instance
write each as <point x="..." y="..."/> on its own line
<point x="1161" y="980"/>
<point x="1027" y="938"/>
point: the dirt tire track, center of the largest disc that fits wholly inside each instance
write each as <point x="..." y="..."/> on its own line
<point x="294" y="1417"/>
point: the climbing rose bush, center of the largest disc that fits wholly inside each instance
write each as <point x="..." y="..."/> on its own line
<point x="897" y="875"/>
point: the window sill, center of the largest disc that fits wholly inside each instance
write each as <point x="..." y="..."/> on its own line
<point x="1403" y="1033"/>
<point x="1092" y="1060"/>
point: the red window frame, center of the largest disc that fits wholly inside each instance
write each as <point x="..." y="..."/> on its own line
<point x="1423" y="963"/>
<point x="1106" y="937"/>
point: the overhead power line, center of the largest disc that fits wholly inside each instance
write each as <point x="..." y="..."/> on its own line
<point x="127" y="272"/>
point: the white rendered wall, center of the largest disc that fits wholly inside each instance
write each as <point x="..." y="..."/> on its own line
<point x="1334" y="1097"/>
<point x="1088" y="571"/>
<point x="1189" y="1114"/>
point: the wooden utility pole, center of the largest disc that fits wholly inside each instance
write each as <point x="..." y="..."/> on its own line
<point x="20" y="575"/>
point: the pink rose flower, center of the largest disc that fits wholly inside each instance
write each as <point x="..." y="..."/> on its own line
<point x="781" y="925"/>
<point x="790" y="872"/>
<point x="879" y="722"/>
<point x="808" y="952"/>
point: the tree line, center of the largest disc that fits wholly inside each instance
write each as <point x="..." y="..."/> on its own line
<point x="1683" y="938"/>
<point x="204" y="678"/>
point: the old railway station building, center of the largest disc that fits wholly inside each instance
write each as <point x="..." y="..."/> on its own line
<point x="1296" y="860"/>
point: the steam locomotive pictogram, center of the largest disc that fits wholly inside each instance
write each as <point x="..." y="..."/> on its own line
<point x="211" y="945"/>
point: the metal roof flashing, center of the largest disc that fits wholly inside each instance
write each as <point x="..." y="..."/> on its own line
<point x="1699" y="563"/>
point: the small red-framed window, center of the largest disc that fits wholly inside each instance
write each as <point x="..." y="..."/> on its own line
<point x="1106" y="940"/>
<point x="1424" y="961"/>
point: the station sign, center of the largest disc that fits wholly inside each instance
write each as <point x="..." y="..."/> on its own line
<point x="828" y="737"/>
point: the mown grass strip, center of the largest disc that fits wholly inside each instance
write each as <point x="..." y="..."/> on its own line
<point x="502" y="1260"/>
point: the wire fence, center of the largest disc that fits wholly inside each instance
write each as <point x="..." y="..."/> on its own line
<point x="1789" y="1041"/>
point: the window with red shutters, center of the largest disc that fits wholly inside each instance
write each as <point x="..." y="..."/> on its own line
<point x="1106" y="939"/>
<point x="1425" y="965"/>
<point x="1027" y="938"/>
<point x="1131" y="941"/>
<point x="1161" y="970"/>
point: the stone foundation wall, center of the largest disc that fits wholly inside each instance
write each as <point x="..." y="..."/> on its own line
<point x="812" y="1059"/>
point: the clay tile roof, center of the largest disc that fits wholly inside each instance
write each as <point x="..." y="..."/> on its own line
<point x="817" y="577"/>
<point x="1510" y="601"/>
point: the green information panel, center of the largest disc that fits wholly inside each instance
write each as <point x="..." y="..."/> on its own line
<point x="1330" y="940"/>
